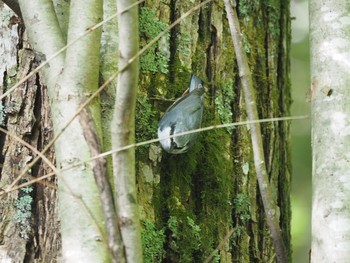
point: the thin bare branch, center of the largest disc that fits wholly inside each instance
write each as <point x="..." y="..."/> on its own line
<point x="56" y="172"/>
<point x="212" y="254"/>
<point x="106" y="194"/>
<point x="49" y="59"/>
<point x="270" y="207"/>
<point x="123" y="133"/>
<point x="34" y="150"/>
<point x="221" y="126"/>
<point x="104" y="85"/>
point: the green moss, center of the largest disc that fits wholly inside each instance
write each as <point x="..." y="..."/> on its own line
<point x="223" y="103"/>
<point x="246" y="44"/>
<point x="247" y="8"/>
<point x="238" y="231"/>
<point x="156" y="58"/>
<point x="185" y="42"/>
<point x="145" y="122"/>
<point x="273" y="8"/>
<point x="214" y="187"/>
<point x="152" y="243"/>
<point x="185" y="238"/>
<point x="196" y="187"/>
<point x="242" y="207"/>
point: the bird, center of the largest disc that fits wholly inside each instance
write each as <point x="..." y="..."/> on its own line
<point x="183" y="115"/>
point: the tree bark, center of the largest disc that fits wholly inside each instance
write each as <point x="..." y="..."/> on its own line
<point x="123" y="132"/>
<point x="329" y="47"/>
<point x="71" y="77"/>
<point x="189" y="203"/>
<point x="197" y="197"/>
<point x="27" y="115"/>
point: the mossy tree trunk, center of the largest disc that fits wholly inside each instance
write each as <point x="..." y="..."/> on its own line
<point x="191" y="201"/>
<point x="188" y="203"/>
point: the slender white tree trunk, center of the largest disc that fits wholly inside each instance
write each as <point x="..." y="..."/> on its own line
<point x="123" y="132"/>
<point x="71" y="79"/>
<point x="330" y="65"/>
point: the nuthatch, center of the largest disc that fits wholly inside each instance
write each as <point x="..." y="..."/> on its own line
<point x="184" y="115"/>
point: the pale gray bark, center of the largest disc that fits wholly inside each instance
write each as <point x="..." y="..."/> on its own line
<point x="81" y="233"/>
<point x="13" y="4"/>
<point x="123" y="133"/>
<point x="45" y="36"/>
<point x="9" y="37"/>
<point x="79" y="205"/>
<point x="330" y="62"/>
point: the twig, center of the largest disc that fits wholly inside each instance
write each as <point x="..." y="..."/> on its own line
<point x="270" y="207"/>
<point x="55" y="172"/>
<point x="57" y="135"/>
<point x="88" y="31"/>
<point x="111" y="78"/>
<point x="115" y="243"/>
<point x="212" y="254"/>
<point x="226" y="125"/>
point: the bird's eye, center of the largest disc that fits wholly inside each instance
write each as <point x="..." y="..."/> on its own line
<point x="176" y="147"/>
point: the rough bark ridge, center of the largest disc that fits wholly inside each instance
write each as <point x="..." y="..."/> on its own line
<point x="188" y="202"/>
<point x="194" y="199"/>
<point x="29" y="227"/>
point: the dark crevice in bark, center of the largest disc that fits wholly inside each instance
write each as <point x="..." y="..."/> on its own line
<point x="173" y="41"/>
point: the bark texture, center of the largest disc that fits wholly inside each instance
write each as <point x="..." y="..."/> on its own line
<point x="188" y="203"/>
<point x="329" y="39"/>
<point x="29" y="227"/>
<point x="123" y="133"/>
<point x="194" y="199"/>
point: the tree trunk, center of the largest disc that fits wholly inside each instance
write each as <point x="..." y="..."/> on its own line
<point x="123" y="133"/>
<point x="329" y="49"/>
<point x="29" y="225"/>
<point x="189" y="203"/>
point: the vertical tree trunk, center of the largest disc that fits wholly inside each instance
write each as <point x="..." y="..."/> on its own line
<point x="29" y="225"/>
<point x="188" y="203"/>
<point x="123" y="132"/>
<point x="194" y="199"/>
<point x="329" y="39"/>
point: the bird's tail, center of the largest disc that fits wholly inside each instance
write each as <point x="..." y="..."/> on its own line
<point x="195" y="82"/>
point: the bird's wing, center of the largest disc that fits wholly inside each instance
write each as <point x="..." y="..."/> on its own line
<point x="186" y="102"/>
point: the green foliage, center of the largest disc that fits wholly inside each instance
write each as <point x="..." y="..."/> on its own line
<point x="152" y="243"/>
<point x="24" y="211"/>
<point x="223" y="103"/>
<point x="156" y="58"/>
